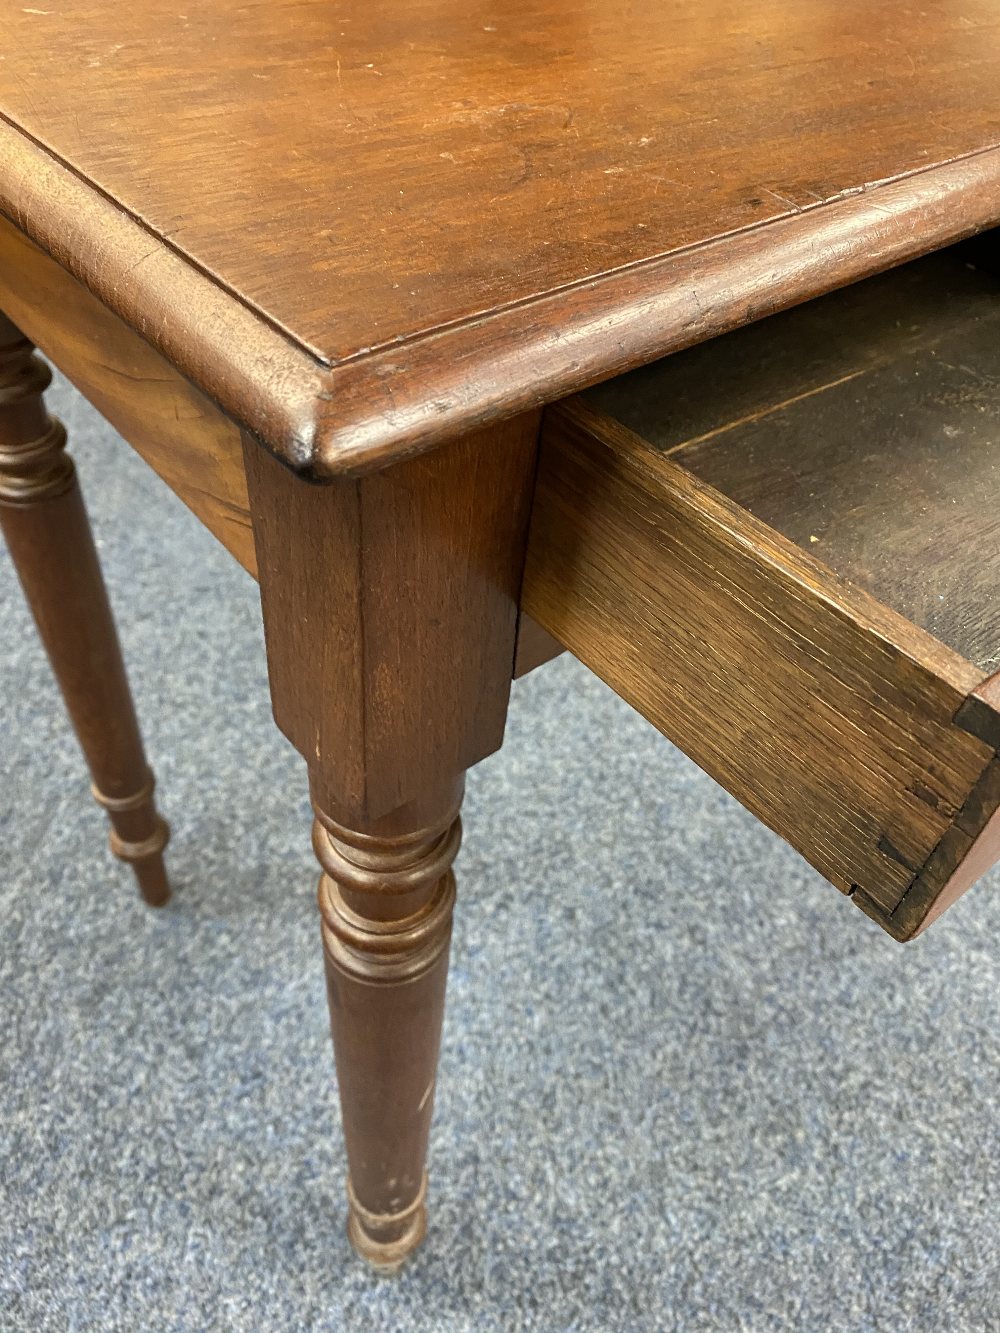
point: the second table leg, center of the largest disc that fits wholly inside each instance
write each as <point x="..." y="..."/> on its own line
<point x="45" y="524"/>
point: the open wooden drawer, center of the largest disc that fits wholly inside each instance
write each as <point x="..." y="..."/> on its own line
<point x="783" y="549"/>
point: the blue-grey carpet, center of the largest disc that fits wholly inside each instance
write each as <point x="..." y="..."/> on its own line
<point x="685" y="1084"/>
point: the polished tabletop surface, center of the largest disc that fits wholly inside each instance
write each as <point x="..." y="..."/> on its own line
<point x="424" y="196"/>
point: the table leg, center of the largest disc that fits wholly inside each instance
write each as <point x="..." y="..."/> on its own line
<point x="386" y="897"/>
<point x="47" y="531"/>
<point x="390" y="611"/>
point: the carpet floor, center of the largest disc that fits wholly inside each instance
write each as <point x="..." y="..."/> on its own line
<point x="685" y="1085"/>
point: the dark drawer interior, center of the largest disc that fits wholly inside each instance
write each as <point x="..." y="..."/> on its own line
<point x="864" y="427"/>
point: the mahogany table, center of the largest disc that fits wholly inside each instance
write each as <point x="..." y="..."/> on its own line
<point x="324" y="265"/>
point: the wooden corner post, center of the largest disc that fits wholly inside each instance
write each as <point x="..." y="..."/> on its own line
<point x="390" y="611"/>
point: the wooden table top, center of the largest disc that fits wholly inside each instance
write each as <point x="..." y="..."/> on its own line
<point x="364" y="229"/>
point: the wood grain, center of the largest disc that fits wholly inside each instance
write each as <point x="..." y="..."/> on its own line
<point x="386" y="898"/>
<point x="828" y="715"/>
<point x="181" y="434"/>
<point x="447" y="216"/>
<point x="390" y="612"/>
<point x="865" y="427"/>
<point x="46" y="528"/>
<point x="970" y="847"/>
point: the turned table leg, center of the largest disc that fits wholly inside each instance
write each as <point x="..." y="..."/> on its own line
<point x="386" y="899"/>
<point x="390" y="609"/>
<point x="46" y="528"/>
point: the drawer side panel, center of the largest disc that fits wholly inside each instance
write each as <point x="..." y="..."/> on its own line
<point x="827" y="715"/>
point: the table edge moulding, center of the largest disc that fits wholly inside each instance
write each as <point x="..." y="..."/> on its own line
<point x="376" y="407"/>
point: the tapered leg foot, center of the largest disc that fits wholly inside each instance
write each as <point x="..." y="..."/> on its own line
<point x="384" y="1241"/>
<point x="386" y="899"/>
<point x="46" y="528"/>
<point x="138" y="835"/>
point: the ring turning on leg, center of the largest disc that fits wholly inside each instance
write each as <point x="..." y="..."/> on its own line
<point x="45" y="524"/>
<point x="386" y="898"/>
